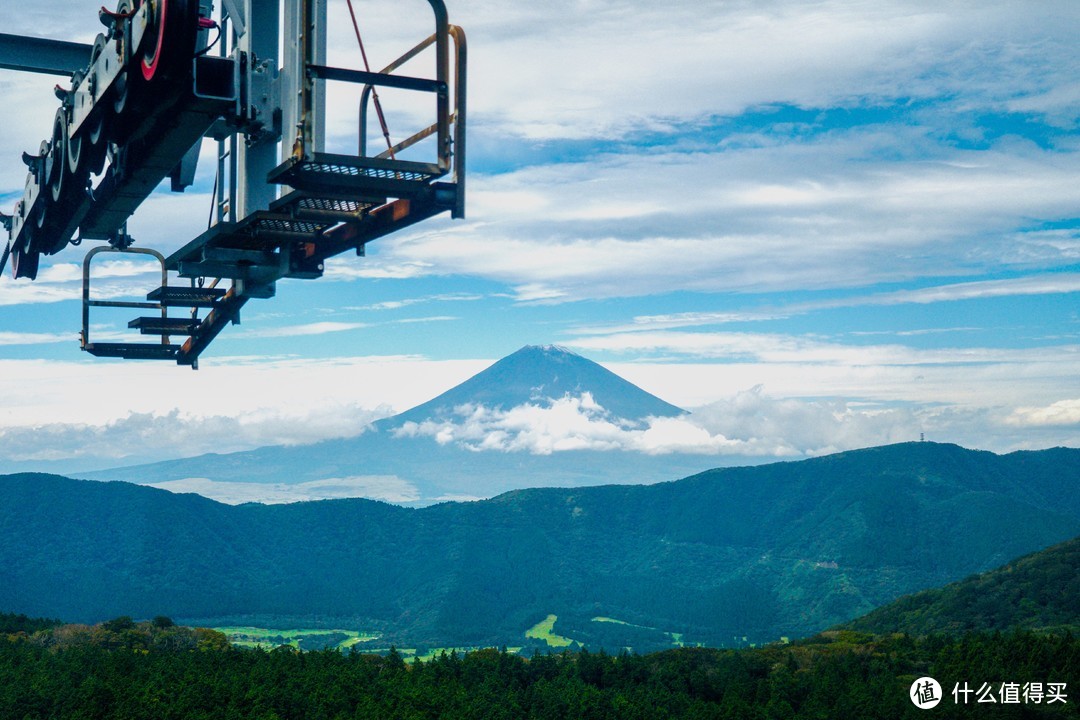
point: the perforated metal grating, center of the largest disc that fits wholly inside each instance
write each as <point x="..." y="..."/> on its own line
<point x="281" y="225"/>
<point x="340" y="170"/>
<point x="351" y="207"/>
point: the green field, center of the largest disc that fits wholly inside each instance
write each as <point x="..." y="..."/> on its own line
<point x="543" y="631"/>
<point x="676" y="638"/>
<point x="366" y="641"/>
<point x="268" y="638"/>
<point x="319" y="638"/>
<point x="249" y="636"/>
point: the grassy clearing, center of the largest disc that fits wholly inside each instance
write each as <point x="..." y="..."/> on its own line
<point x="543" y="631"/>
<point x="621" y="622"/>
<point x="268" y="638"/>
<point x="676" y="638"/>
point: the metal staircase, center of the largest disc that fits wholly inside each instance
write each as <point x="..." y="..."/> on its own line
<point x="333" y="203"/>
<point x="294" y="208"/>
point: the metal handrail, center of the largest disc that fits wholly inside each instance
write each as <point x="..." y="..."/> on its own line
<point x="462" y="58"/>
<point x="87" y="303"/>
<point x="450" y="153"/>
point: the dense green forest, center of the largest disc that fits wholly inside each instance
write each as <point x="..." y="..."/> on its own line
<point x="1040" y="591"/>
<point x="126" y="670"/>
<point x="11" y="623"/>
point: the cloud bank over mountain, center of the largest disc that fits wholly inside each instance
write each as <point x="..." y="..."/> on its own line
<point x="749" y="424"/>
<point x="542" y="416"/>
<point x="526" y="413"/>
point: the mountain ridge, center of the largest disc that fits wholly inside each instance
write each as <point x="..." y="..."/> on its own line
<point x="761" y="551"/>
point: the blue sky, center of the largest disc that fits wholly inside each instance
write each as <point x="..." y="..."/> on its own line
<point x="825" y="225"/>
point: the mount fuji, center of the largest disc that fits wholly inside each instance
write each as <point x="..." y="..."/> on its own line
<point x="540" y="417"/>
<point x="543" y="374"/>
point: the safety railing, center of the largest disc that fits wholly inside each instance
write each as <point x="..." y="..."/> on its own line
<point x="451" y="152"/>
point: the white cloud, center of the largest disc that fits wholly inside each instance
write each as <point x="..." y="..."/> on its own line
<point x="1033" y="377"/>
<point x="326" y="327"/>
<point x="747" y="424"/>
<point x="145" y="437"/>
<point x="806" y="427"/>
<point x="777" y="348"/>
<point x="23" y="338"/>
<point x="1050" y="284"/>
<point x="621" y="67"/>
<point x="428" y="319"/>
<point x="388" y="488"/>
<point x="315" y="328"/>
<point x="1046" y="284"/>
<point x="375" y="268"/>
<point x="302" y="399"/>
<point x="797" y="407"/>
<point x="752" y="423"/>
<point x="914" y="333"/>
<point x="406" y="302"/>
<point x="570" y="423"/>
<point x="24" y="130"/>
<point x="1062" y="412"/>
<point x="679" y="320"/>
<point x="26" y="292"/>
<point x="826" y="213"/>
<point x="626" y="65"/>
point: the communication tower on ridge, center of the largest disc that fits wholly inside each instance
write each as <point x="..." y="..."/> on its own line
<point x="252" y="76"/>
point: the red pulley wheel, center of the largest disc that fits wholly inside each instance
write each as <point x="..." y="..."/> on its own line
<point x="151" y="63"/>
<point x="173" y="26"/>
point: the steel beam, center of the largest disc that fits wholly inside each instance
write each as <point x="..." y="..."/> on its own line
<point x="41" y="55"/>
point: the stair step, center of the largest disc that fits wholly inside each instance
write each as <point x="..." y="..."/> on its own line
<point x="252" y="241"/>
<point x="328" y="172"/>
<point x="182" y="296"/>
<point x="164" y="326"/>
<point x="326" y="207"/>
<point x="271" y="228"/>
<point x="134" y="351"/>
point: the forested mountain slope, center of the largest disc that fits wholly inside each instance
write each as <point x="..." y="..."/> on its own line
<point x="758" y="552"/>
<point x="1040" y="591"/>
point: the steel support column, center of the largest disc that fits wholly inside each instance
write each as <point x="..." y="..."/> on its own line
<point x="305" y="43"/>
<point x="260" y="42"/>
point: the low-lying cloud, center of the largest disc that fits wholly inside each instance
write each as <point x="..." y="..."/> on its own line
<point x="147" y="437"/>
<point x="751" y="423"/>
<point x="388" y="488"/>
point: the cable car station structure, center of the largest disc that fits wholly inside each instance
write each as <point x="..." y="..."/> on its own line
<point x="164" y="75"/>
